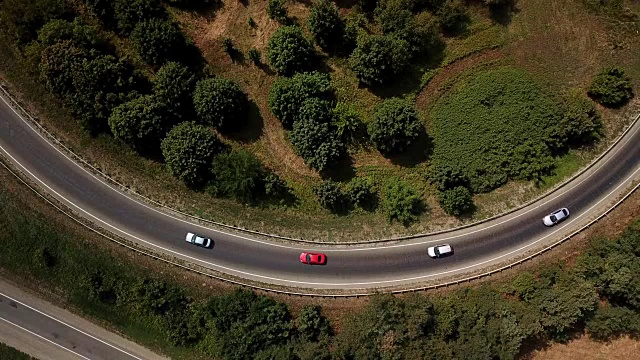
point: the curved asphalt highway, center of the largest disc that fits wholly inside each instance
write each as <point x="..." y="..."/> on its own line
<point x="374" y="266"/>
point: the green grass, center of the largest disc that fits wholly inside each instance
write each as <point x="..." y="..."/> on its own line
<point x="9" y="353"/>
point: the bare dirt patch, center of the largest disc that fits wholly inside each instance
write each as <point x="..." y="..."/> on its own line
<point x="584" y="348"/>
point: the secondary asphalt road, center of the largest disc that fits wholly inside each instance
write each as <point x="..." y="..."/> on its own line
<point x="47" y="332"/>
<point x="376" y="266"/>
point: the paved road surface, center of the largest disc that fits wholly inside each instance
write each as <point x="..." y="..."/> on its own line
<point x="47" y="332"/>
<point x="347" y="268"/>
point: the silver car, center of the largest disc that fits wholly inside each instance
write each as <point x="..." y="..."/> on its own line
<point x="198" y="240"/>
<point x="440" y="251"/>
<point x="556" y="217"/>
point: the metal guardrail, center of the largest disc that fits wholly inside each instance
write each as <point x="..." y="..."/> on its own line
<point x="126" y="189"/>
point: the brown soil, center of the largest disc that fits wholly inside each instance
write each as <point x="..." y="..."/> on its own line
<point x="584" y="348"/>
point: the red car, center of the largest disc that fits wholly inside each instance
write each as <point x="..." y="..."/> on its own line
<point x="313" y="259"/>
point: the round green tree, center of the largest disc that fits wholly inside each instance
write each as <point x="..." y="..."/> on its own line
<point x="157" y="41"/>
<point x="173" y="84"/>
<point x="286" y="95"/>
<point x="316" y="143"/>
<point x="288" y="51"/>
<point x="188" y="150"/>
<point x="326" y="25"/>
<point x="611" y="87"/>
<point x="142" y="123"/>
<point x="377" y="59"/>
<point x="220" y="102"/>
<point x="394" y="126"/>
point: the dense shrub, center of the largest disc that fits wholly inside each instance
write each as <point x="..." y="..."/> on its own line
<point x="394" y="126"/>
<point x="330" y="195"/>
<point x="157" y="41"/>
<point x="288" y="51"/>
<point x="142" y="123"/>
<point x="311" y="325"/>
<point x="188" y="150"/>
<point x="326" y="25"/>
<point x="79" y="33"/>
<point x="611" y="87"/>
<point x="452" y="14"/>
<point x="59" y="64"/>
<point x="102" y="9"/>
<point x="277" y="11"/>
<point x="378" y="59"/>
<point x="21" y="19"/>
<point x="346" y="121"/>
<point x="456" y="201"/>
<point x="316" y="109"/>
<point x="129" y="13"/>
<point x="235" y="174"/>
<point x="420" y="31"/>
<point x="402" y="203"/>
<point x="220" y="102"/>
<point x="611" y="321"/>
<point x="173" y="84"/>
<point x="273" y="185"/>
<point x="316" y="143"/>
<point x="287" y="94"/>
<point x="492" y="127"/>
<point x="361" y="192"/>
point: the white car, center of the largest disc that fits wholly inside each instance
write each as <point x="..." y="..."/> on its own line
<point x="440" y="250"/>
<point x="556" y="216"/>
<point x="198" y="240"/>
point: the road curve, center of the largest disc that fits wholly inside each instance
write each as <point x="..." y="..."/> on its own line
<point x="348" y="267"/>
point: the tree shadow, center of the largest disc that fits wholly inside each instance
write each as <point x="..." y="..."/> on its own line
<point x="341" y="170"/>
<point x="460" y="29"/>
<point x="408" y="82"/>
<point x="252" y="129"/>
<point x="502" y="14"/>
<point x="418" y="152"/>
<point x="206" y="9"/>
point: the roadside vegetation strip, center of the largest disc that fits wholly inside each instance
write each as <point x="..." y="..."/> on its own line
<point x="9" y="353"/>
<point x="173" y="313"/>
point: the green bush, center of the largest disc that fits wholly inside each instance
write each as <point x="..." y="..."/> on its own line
<point x="316" y="143"/>
<point x="142" y="123"/>
<point x="129" y="13"/>
<point x="310" y="323"/>
<point x="347" y="122"/>
<point x="236" y="174"/>
<point x="273" y="185"/>
<point x="361" y="192"/>
<point x="102" y="9"/>
<point x="611" y="321"/>
<point x="402" y="203"/>
<point x="452" y="15"/>
<point x="188" y="150"/>
<point x="221" y="102"/>
<point x="326" y="25"/>
<point x="456" y="201"/>
<point x="378" y="59"/>
<point x="288" y="51"/>
<point x="316" y="109"/>
<point x="277" y="11"/>
<point x="611" y="87"/>
<point x="330" y="195"/>
<point x="286" y="95"/>
<point x="492" y="127"/>
<point x="79" y="33"/>
<point x="173" y="84"/>
<point x="394" y="126"/>
<point x="59" y="64"/>
<point x="157" y="41"/>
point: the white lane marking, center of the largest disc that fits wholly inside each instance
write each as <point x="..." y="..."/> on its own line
<point x="372" y="248"/>
<point x="227" y="269"/>
<point x="65" y="324"/>
<point x="44" y="338"/>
